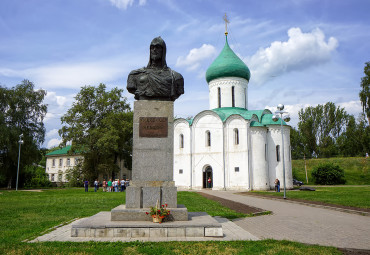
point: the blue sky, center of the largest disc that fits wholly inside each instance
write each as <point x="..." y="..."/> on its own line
<point x="300" y="52"/>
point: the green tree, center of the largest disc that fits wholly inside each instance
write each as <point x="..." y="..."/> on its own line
<point x="320" y="127"/>
<point x="21" y="112"/>
<point x="99" y="125"/>
<point x="365" y="91"/>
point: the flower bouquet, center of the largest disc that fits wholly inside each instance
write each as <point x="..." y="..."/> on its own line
<point x="158" y="213"/>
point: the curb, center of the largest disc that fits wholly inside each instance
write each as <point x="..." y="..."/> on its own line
<point x="366" y="214"/>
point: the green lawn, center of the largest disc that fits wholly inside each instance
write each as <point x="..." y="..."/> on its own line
<point x="25" y="215"/>
<point x="356" y="170"/>
<point x="348" y="196"/>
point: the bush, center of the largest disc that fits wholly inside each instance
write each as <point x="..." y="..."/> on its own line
<point x="36" y="177"/>
<point x="328" y="174"/>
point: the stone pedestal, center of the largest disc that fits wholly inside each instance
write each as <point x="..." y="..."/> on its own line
<point x="152" y="162"/>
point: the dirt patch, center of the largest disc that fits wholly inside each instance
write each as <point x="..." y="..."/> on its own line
<point x="33" y="190"/>
<point x="238" y="207"/>
<point x="306" y="201"/>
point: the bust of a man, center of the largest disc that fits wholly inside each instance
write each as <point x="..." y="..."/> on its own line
<point x="156" y="81"/>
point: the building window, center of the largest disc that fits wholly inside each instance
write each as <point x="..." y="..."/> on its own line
<point x="52" y="177"/>
<point x="237" y="169"/>
<point x="61" y="162"/>
<point x="208" y="138"/>
<point x="68" y="161"/>
<point x="233" y="96"/>
<point x="278" y="153"/>
<point x="181" y="171"/>
<point x="236" y="136"/>
<point x="76" y="161"/>
<point x="219" y="97"/>
<point x="60" y="176"/>
<point x="181" y="141"/>
<point x="266" y="152"/>
<point x="53" y="162"/>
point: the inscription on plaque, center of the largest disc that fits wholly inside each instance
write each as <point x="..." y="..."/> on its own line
<point x="153" y="127"/>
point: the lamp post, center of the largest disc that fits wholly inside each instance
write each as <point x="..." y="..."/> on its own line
<point x="19" y="157"/>
<point x="286" y="118"/>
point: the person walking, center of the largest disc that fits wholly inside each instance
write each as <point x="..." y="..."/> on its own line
<point x="277" y="185"/>
<point x="104" y="185"/>
<point x="110" y="185"/>
<point x="122" y="185"/>
<point x="86" y="184"/>
<point x="96" y="185"/>
<point x="209" y="182"/>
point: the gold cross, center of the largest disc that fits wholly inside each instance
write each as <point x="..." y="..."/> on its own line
<point x="226" y="21"/>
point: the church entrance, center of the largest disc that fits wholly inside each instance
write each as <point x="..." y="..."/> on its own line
<point x="207" y="178"/>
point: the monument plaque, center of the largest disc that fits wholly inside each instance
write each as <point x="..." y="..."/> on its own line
<point x="155" y="127"/>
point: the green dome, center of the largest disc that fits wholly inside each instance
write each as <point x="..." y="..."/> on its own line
<point x="227" y="64"/>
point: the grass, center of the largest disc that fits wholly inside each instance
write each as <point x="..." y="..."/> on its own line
<point x="25" y="215"/>
<point x="356" y="170"/>
<point x="347" y="196"/>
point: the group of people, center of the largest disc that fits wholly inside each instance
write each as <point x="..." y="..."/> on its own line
<point x="109" y="186"/>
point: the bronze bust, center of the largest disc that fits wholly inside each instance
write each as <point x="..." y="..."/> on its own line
<point x="156" y="81"/>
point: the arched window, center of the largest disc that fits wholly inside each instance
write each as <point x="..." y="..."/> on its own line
<point x="208" y="138"/>
<point x="233" y="96"/>
<point x="219" y="97"/>
<point x="181" y="141"/>
<point x="278" y="153"/>
<point x="236" y="136"/>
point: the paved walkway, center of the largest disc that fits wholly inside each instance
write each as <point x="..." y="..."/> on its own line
<point x="302" y="223"/>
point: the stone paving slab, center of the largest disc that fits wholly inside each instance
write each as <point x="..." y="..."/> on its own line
<point x="230" y="232"/>
<point x="302" y="223"/>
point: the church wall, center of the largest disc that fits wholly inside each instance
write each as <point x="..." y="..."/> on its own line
<point x="237" y="154"/>
<point x="182" y="160"/>
<point x="259" y="165"/>
<point x="204" y="155"/>
<point x="226" y="84"/>
<point x="275" y="167"/>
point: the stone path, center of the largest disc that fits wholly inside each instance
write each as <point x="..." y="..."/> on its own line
<point x="302" y="223"/>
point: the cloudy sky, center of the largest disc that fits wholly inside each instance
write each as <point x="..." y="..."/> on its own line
<point x="300" y="52"/>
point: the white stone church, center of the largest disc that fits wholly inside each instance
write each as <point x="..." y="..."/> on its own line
<point x="238" y="148"/>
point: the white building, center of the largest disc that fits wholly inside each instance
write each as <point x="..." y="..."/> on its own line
<point x="59" y="161"/>
<point x="240" y="149"/>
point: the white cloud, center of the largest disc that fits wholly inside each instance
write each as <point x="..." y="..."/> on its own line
<point x="52" y="133"/>
<point x="301" y="51"/>
<point x="352" y="107"/>
<point x="193" y="60"/>
<point x="54" y="142"/>
<point x="123" y="4"/>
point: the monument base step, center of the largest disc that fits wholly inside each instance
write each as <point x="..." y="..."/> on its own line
<point x="199" y="224"/>
<point x="121" y="213"/>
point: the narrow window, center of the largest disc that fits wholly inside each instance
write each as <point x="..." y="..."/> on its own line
<point x="180" y="171"/>
<point x="237" y="169"/>
<point x="181" y="141"/>
<point x="68" y="161"/>
<point x="245" y="98"/>
<point x="54" y="162"/>
<point x="236" y="136"/>
<point x="278" y="153"/>
<point x="52" y="177"/>
<point x="208" y="138"/>
<point x="219" y="97"/>
<point x="233" y="96"/>
<point x="60" y="162"/>
<point x="60" y="176"/>
<point x="266" y="152"/>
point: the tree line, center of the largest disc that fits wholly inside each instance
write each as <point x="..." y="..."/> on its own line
<point x="99" y="126"/>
